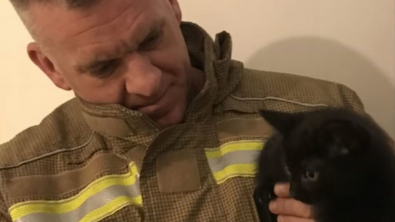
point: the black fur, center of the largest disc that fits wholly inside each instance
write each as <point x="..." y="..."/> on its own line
<point x="339" y="162"/>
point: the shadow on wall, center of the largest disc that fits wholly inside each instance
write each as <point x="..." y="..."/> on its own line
<point x="331" y="60"/>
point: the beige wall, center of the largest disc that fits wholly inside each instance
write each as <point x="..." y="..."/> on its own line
<point x="347" y="41"/>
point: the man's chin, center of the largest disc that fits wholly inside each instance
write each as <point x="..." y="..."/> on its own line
<point x="174" y="117"/>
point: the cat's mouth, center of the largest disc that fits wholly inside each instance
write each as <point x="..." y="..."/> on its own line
<point x="303" y="198"/>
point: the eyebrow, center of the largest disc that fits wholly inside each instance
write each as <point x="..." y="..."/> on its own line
<point x="152" y="32"/>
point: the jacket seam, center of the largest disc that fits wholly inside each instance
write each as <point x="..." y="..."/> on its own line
<point x="50" y="154"/>
<point x="279" y="99"/>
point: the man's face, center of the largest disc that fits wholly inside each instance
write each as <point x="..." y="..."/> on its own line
<point x="127" y="52"/>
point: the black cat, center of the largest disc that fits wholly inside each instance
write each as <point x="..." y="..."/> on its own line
<point x="337" y="161"/>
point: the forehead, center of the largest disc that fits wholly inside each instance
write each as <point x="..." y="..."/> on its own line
<point x="100" y="25"/>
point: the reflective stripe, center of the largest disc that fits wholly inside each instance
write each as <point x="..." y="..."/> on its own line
<point x="237" y="170"/>
<point x="234" y="159"/>
<point x="54" y="185"/>
<point x="100" y="199"/>
<point x="234" y="146"/>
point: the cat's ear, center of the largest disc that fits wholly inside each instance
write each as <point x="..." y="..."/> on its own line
<point x="282" y="122"/>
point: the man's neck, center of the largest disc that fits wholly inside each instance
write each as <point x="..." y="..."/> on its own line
<point x="196" y="79"/>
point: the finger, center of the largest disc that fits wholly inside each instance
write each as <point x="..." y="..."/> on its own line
<point x="282" y="189"/>
<point x="290" y="207"/>
<point x="293" y="219"/>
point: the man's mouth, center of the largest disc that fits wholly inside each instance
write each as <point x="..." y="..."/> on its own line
<point x="156" y="99"/>
<point x="158" y="108"/>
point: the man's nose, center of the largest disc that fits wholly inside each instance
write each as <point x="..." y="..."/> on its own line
<point x="142" y="78"/>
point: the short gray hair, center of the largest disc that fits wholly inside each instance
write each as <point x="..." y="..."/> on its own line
<point x="22" y="8"/>
<point x="70" y="4"/>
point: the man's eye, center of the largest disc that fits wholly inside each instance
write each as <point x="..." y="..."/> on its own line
<point x="104" y="69"/>
<point x="151" y="42"/>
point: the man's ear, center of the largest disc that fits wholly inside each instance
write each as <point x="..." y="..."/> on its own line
<point x="282" y="122"/>
<point x="176" y="9"/>
<point x="45" y="64"/>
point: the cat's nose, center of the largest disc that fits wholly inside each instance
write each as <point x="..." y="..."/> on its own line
<point x="292" y="191"/>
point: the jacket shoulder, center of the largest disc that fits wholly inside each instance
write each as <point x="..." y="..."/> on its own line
<point x="289" y="92"/>
<point x="63" y="129"/>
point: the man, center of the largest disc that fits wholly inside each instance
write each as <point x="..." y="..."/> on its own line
<point x="164" y="126"/>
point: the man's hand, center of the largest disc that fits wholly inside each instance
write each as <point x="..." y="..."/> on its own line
<point x="288" y="209"/>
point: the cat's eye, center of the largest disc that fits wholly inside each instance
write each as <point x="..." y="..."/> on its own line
<point x="312" y="176"/>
